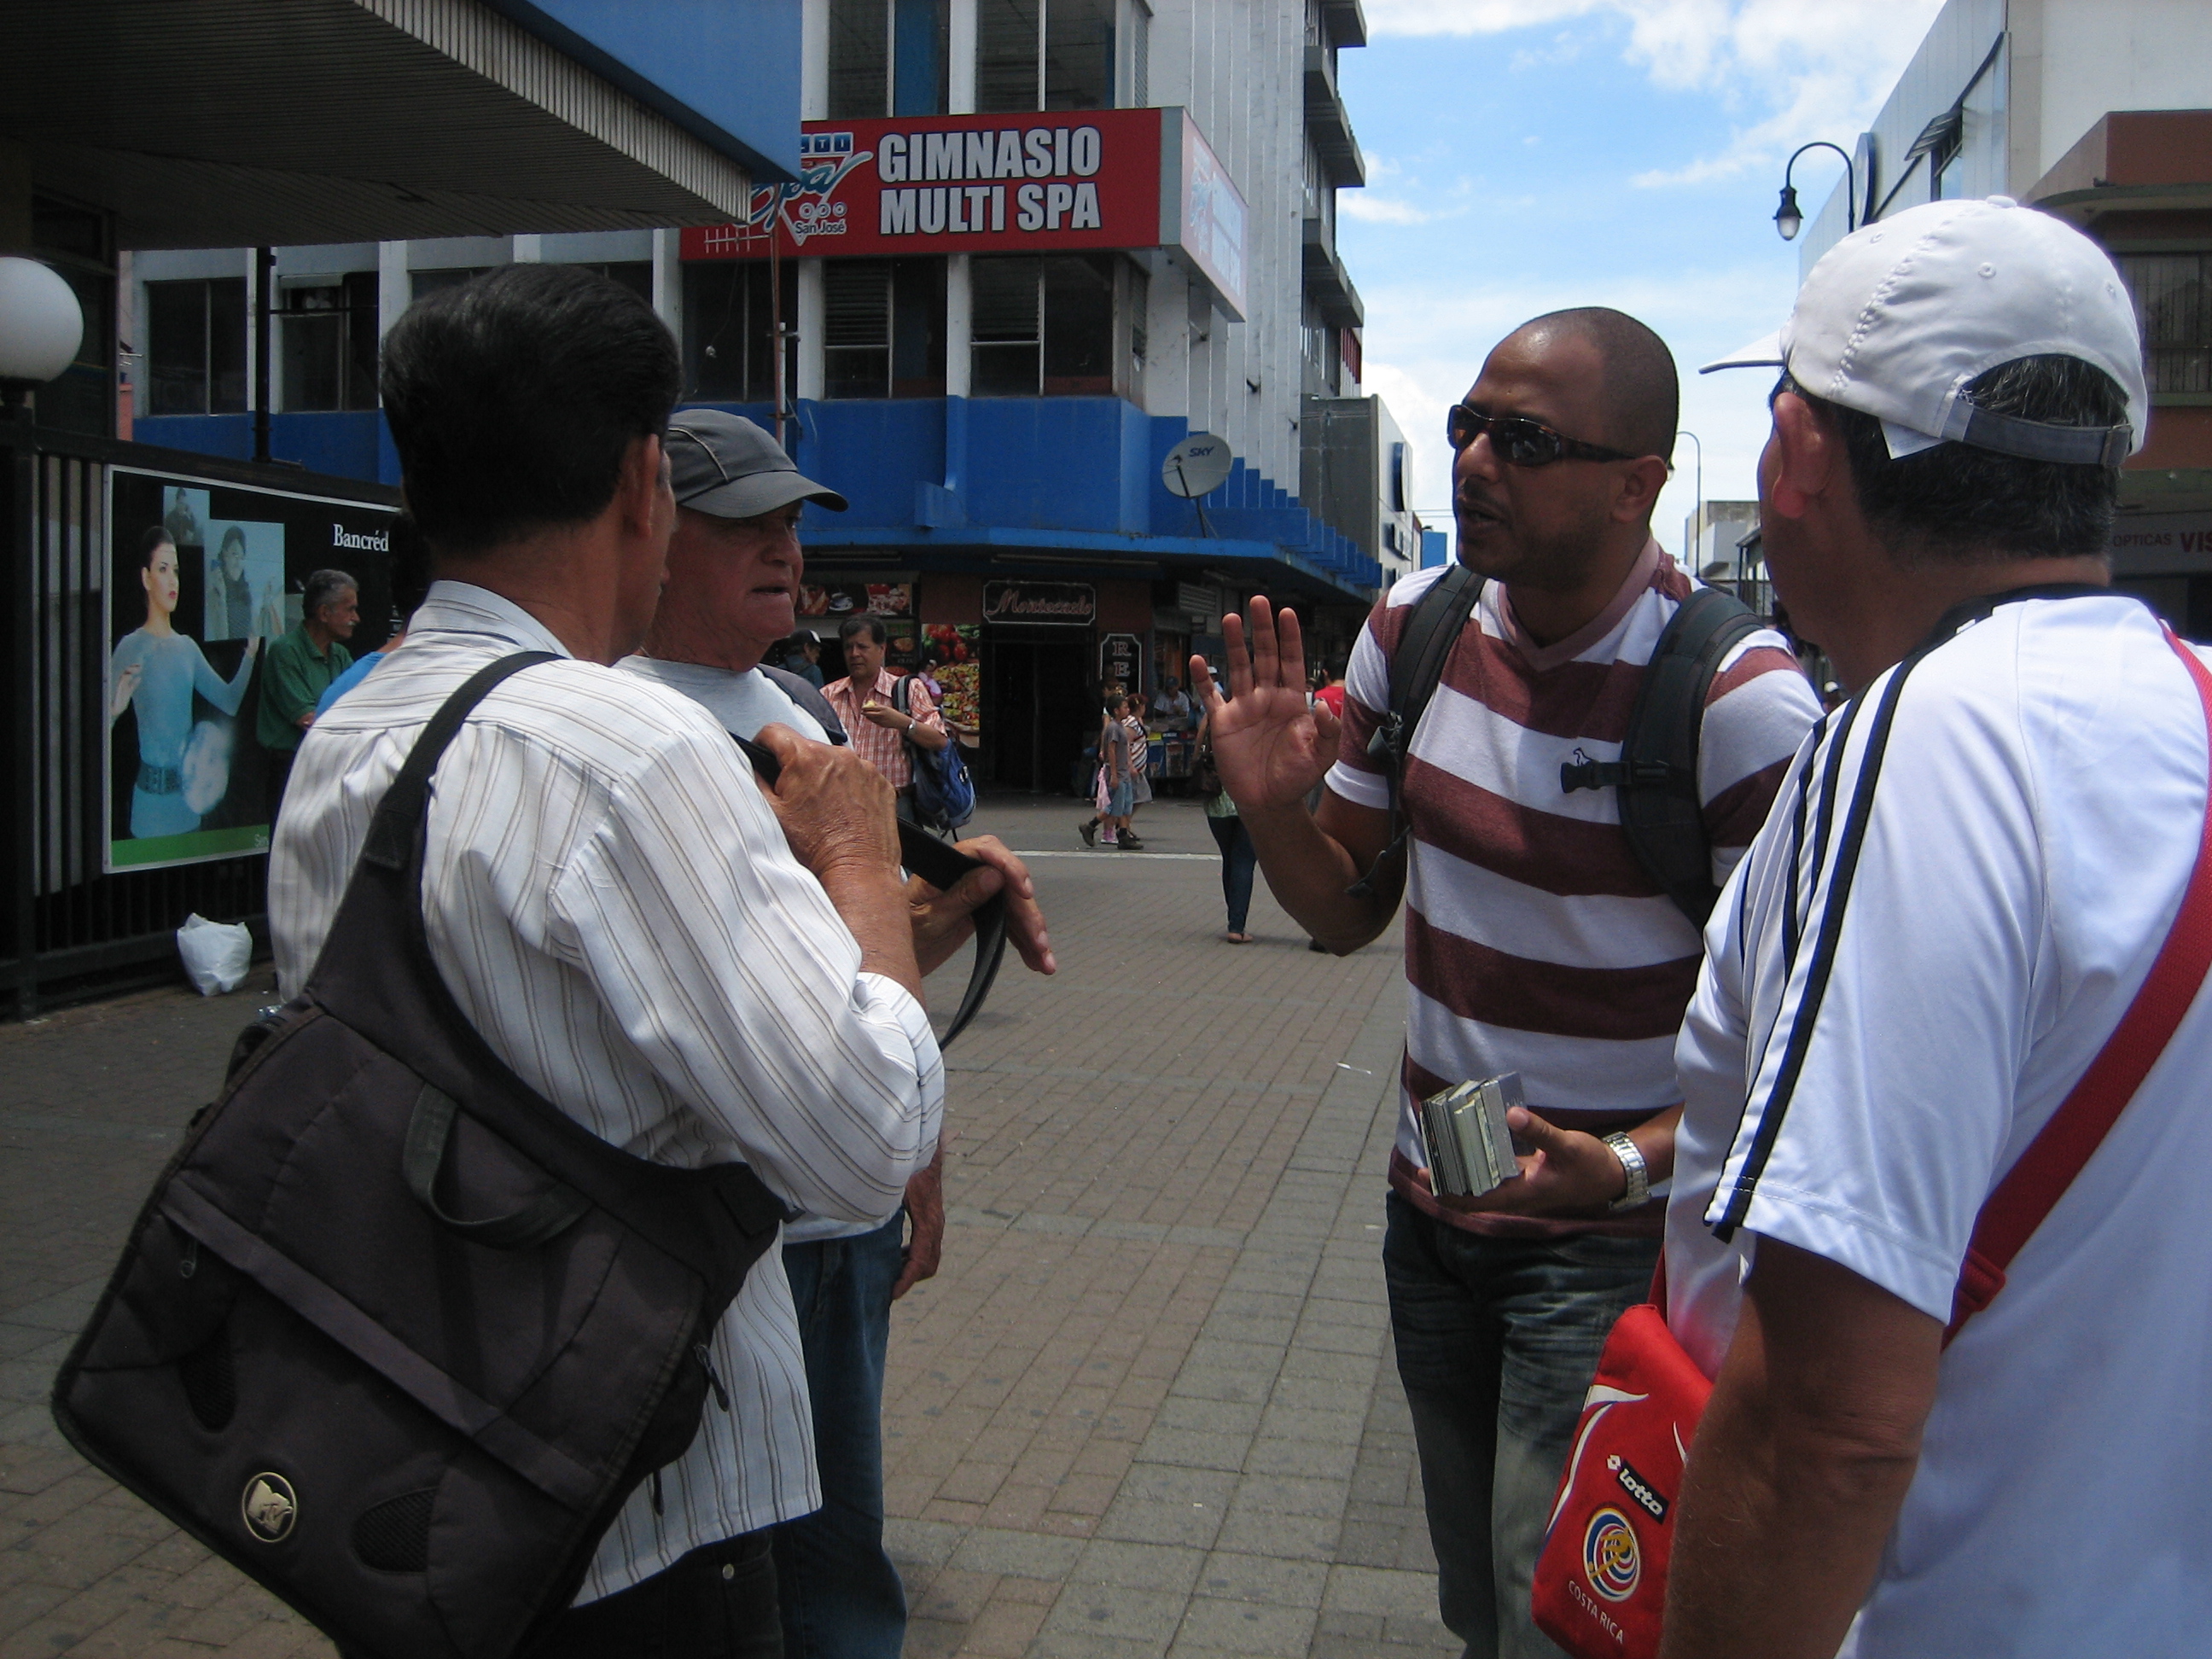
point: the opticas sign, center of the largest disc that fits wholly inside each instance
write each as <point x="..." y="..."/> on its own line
<point x="1000" y="184"/>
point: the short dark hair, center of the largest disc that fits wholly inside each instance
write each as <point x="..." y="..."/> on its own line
<point x="1642" y="393"/>
<point x="870" y="625"/>
<point x="410" y="565"/>
<point x="323" y="587"/>
<point x="231" y="532"/>
<point x="151" y="543"/>
<point x="1958" y="504"/>
<point x="1114" y="700"/>
<point x="513" y="398"/>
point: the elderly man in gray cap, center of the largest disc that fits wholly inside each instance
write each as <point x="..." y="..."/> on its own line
<point x="734" y="565"/>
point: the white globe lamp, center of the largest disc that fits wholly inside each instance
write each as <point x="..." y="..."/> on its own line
<point x="41" y="325"/>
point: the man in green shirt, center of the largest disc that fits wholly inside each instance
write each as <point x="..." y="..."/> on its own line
<point x="298" y="666"/>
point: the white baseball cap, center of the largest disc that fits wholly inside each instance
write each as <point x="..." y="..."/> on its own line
<point x="1898" y="318"/>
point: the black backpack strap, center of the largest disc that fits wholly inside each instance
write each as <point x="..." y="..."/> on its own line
<point x="940" y="863"/>
<point x="1415" y="667"/>
<point x="1661" y="812"/>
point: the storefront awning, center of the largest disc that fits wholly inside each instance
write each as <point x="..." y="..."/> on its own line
<point x="230" y="122"/>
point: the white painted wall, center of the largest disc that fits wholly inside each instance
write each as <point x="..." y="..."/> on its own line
<point x="2100" y="55"/>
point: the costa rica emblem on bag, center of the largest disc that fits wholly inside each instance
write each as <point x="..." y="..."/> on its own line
<point x="270" y="1507"/>
<point x="1611" y="1560"/>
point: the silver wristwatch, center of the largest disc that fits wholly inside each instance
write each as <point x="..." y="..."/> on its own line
<point x="1639" y="1174"/>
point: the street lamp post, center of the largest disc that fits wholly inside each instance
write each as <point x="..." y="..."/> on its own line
<point x="1689" y="554"/>
<point x="1788" y="220"/>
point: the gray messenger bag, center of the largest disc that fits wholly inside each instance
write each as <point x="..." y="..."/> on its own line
<point x="394" y="1335"/>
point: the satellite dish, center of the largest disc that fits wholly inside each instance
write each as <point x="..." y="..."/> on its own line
<point x="1197" y="466"/>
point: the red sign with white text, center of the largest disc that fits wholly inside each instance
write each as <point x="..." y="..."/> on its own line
<point x="1040" y="183"/>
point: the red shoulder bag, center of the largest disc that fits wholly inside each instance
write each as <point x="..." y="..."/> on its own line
<point x="1601" y="1584"/>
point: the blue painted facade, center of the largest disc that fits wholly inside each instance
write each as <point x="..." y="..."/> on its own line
<point x="722" y="70"/>
<point x="1435" y="548"/>
<point x="945" y="481"/>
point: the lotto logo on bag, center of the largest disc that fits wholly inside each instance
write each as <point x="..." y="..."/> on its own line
<point x="1611" y="1560"/>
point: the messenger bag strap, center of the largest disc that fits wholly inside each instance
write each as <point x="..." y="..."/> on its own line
<point x="940" y="863"/>
<point x="400" y="817"/>
<point x="2033" y="1186"/>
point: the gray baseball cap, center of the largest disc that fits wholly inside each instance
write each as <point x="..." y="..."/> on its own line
<point x="724" y="465"/>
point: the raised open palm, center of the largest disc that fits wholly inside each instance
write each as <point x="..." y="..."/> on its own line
<point x="1270" y="747"/>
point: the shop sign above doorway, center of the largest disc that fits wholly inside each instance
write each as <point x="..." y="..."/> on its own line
<point x="1068" y="604"/>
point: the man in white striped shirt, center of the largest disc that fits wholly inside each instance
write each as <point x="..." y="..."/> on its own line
<point x="698" y="969"/>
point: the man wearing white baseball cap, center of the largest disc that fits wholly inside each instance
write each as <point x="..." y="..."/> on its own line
<point x="1953" y="909"/>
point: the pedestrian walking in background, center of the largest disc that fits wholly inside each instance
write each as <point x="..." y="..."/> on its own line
<point x="734" y="566"/>
<point x="1114" y="770"/>
<point x="1535" y="941"/>
<point x="410" y="583"/>
<point x="867" y="701"/>
<point x="1140" y="763"/>
<point x="1237" y="858"/>
<point x="298" y="668"/>
<point x="804" y="657"/>
<point x="1932" y="990"/>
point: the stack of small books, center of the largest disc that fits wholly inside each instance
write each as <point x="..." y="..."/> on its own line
<point x="1470" y="1148"/>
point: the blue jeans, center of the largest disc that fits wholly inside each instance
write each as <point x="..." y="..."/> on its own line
<point x="1237" y="856"/>
<point x="1498" y="1340"/>
<point x="841" y="1596"/>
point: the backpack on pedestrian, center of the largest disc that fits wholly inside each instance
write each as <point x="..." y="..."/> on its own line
<point x="943" y="793"/>
<point x="394" y="1334"/>
<point x="1657" y="772"/>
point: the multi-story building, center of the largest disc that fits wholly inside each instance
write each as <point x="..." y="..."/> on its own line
<point x="1033" y="245"/>
<point x="2100" y="112"/>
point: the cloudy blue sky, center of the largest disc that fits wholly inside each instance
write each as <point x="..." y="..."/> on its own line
<point x="1527" y="155"/>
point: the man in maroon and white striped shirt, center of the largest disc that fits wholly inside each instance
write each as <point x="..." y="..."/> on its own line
<point x="1535" y="941"/>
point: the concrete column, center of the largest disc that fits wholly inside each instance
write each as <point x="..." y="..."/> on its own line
<point x="959" y="325"/>
<point x="528" y="250"/>
<point x="668" y="279"/>
<point x="814" y="60"/>
<point x="812" y="366"/>
<point x="960" y="69"/>
<point x="393" y="291"/>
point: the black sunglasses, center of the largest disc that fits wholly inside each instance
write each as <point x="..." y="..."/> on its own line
<point x="1520" y="440"/>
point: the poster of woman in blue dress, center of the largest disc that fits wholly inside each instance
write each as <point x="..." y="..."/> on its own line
<point x="204" y="575"/>
<point x="183" y="763"/>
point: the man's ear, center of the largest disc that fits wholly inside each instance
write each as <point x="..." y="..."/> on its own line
<point x="1641" y="481"/>
<point x="640" y="484"/>
<point x="1807" y="456"/>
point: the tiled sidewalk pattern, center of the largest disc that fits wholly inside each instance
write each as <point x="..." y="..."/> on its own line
<point x="1147" y="1408"/>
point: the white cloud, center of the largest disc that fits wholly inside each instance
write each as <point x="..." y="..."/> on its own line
<point x="1386" y="210"/>
<point x="1801" y="70"/>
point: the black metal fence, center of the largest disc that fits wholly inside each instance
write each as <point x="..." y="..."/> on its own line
<point x="68" y="928"/>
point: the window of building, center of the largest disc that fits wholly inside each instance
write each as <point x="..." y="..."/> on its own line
<point x="882" y="328"/>
<point x="327" y="341"/>
<point x="636" y="274"/>
<point x="729" y="331"/>
<point x="1044" y="54"/>
<point x="888" y="57"/>
<point x="195" y="347"/>
<point x="1045" y="326"/>
<point x="421" y="283"/>
<point x="2173" y="306"/>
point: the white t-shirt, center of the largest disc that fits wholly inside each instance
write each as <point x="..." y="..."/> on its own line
<point x="1936" y="930"/>
<point x="743" y="703"/>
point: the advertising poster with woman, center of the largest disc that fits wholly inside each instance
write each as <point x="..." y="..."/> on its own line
<point x="202" y="578"/>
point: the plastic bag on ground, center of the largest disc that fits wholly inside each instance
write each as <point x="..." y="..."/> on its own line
<point x="217" y="954"/>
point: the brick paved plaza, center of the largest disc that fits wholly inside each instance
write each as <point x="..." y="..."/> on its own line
<point x="1148" y="1408"/>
